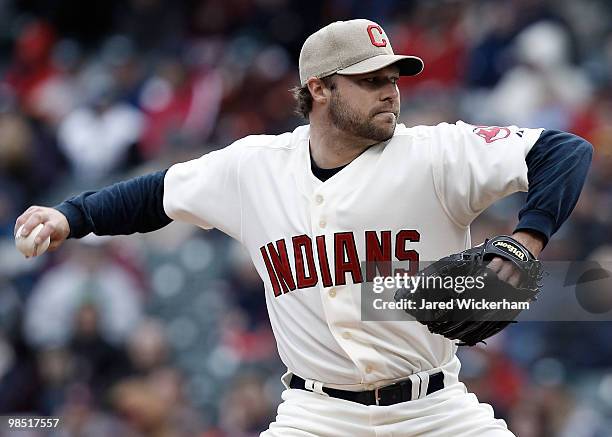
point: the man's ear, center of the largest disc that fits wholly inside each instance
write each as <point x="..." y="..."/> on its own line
<point x="319" y="92"/>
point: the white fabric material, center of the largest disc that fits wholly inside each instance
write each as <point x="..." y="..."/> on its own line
<point x="416" y="386"/>
<point x="314" y="386"/>
<point x="423" y="187"/>
<point x="60" y="293"/>
<point x="451" y="411"/>
<point x="424" y="377"/>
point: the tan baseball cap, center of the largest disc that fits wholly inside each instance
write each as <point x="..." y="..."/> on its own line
<point x="352" y="47"/>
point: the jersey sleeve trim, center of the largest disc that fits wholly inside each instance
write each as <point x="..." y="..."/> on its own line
<point x="539" y="221"/>
<point x="76" y="221"/>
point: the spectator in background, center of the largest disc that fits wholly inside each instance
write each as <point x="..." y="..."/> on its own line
<point x="96" y="138"/>
<point x="96" y="362"/>
<point x="544" y="89"/>
<point x="32" y="64"/>
<point x="435" y="33"/>
<point x="181" y="105"/>
<point x="492" y="27"/>
<point x="89" y="274"/>
<point x="147" y="347"/>
<point x="15" y="165"/>
<point x="20" y="382"/>
<point x="246" y="408"/>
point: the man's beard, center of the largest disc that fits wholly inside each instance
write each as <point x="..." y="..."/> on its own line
<point x="348" y="120"/>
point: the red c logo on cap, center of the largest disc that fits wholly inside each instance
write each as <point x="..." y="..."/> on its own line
<point x="382" y="42"/>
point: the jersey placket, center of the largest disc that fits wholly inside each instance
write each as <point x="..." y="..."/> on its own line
<point x="340" y="302"/>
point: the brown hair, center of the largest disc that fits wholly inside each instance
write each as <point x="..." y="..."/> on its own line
<point x="303" y="98"/>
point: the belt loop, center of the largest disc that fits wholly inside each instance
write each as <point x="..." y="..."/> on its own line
<point x="424" y="384"/>
<point x="416" y="384"/>
<point x="314" y="386"/>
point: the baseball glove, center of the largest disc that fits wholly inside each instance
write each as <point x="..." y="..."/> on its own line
<point x="473" y="314"/>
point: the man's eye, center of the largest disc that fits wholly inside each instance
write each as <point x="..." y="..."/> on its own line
<point x="376" y="80"/>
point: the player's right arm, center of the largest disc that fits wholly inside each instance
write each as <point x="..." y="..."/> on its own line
<point x="204" y="192"/>
<point x="127" y="207"/>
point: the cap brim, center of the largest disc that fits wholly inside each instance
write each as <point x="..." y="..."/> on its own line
<point x="408" y="65"/>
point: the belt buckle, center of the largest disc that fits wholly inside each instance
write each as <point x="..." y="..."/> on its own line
<point x="378" y="390"/>
<point x="377" y="395"/>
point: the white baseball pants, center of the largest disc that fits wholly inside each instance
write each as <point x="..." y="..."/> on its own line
<point x="450" y="412"/>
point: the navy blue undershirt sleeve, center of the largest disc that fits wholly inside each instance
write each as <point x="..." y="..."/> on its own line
<point x="127" y="207"/>
<point x="557" y="167"/>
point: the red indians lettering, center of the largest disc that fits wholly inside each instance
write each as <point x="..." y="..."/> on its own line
<point x="378" y="254"/>
<point x="378" y="43"/>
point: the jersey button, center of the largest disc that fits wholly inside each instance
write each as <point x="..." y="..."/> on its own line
<point x="332" y="293"/>
<point x="322" y="223"/>
<point x="346" y="335"/>
<point x="319" y="199"/>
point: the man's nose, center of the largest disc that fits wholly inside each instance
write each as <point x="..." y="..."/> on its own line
<point x="390" y="92"/>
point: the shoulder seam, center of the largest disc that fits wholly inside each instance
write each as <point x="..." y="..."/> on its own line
<point x="264" y="143"/>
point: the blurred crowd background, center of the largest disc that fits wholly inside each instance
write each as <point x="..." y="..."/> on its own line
<point x="166" y="334"/>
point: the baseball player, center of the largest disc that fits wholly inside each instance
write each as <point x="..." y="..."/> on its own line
<point x="352" y="186"/>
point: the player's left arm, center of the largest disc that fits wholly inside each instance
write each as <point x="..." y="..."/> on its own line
<point x="557" y="167"/>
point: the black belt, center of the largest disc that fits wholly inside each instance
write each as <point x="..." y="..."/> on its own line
<point x="387" y="395"/>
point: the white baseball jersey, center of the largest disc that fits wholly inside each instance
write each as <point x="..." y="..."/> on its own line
<point x="411" y="197"/>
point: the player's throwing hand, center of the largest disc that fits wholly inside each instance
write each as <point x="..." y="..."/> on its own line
<point x="55" y="225"/>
